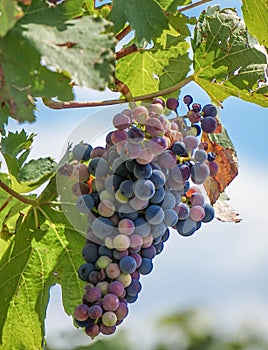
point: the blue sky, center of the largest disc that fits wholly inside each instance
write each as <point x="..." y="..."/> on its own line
<point x="222" y="269"/>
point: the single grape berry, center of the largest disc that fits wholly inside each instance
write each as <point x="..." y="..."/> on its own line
<point x="187" y="99"/>
<point x="82" y="151"/>
<point x="209" y="124"/>
<point x="172" y="103"/>
<point x="196" y="107"/>
<point x="159" y="100"/>
<point x="209" y="111"/>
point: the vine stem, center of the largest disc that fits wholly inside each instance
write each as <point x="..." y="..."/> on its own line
<point x="75" y="104"/>
<point x="17" y="195"/>
<point x="191" y="6"/>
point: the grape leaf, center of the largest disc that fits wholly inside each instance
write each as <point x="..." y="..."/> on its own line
<point x="147" y="71"/>
<point x="81" y="49"/>
<point x="227" y="161"/>
<point x="145" y="17"/>
<point x="41" y="12"/>
<point x="11" y="209"/>
<point x="36" y="169"/>
<point x="172" y="5"/>
<point x="15" y="148"/>
<point x="226" y="60"/>
<point x="44" y="251"/>
<point x="9" y="15"/>
<point x="255" y="14"/>
<point x="24" y="79"/>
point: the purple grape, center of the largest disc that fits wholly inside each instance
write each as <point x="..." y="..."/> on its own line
<point x="135" y="135"/>
<point x="209" y="110"/>
<point x="167" y="159"/>
<point x="107" y="330"/>
<point x="159" y="100"/>
<point x="182" y="210"/>
<point x="209" y="124"/>
<point x="137" y="258"/>
<point x="116" y="288"/>
<point x="209" y="213"/>
<point x="134" y="288"/>
<point x="110" y="302"/>
<point x="127" y="264"/>
<point x="82" y="151"/>
<point x="199" y="173"/>
<point x="179" y="148"/>
<point x="149" y="252"/>
<point x="90" y="252"/>
<point x="95" y="312"/>
<point x="80" y="188"/>
<point x="196" y="107"/>
<point x="93" y="294"/>
<point x="157" y="145"/>
<point x="81" y="312"/>
<point x="172" y="103"/>
<point x="85" y="270"/>
<point x="211" y="156"/>
<point x="92" y="330"/>
<point x="146" y="266"/>
<point x="122" y="311"/>
<point x="121" y="121"/>
<point x="187" y="99"/>
<point x="213" y="167"/>
<point x="197" y="213"/>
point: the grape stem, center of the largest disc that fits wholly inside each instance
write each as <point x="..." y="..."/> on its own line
<point x="17" y="195"/>
<point x="123" y="33"/>
<point x="126" y="51"/>
<point x="191" y="6"/>
<point x="76" y="104"/>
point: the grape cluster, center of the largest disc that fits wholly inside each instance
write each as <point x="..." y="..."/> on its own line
<point x="144" y="181"/>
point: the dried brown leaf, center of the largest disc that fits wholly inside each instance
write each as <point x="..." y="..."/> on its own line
<point x="226" y="160"/>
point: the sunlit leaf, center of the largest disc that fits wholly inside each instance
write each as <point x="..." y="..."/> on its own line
<point x="226" y="60"/>
<point x="44" y="251"/>
<point x="255" y="14"/>
<point x="145" y="17"/>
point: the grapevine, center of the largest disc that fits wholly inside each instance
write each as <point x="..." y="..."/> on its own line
<point x="163" y="168"/>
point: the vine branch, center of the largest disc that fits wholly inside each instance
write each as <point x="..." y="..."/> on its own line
<point x="74" y="104"/>
<point x="123" y="33"/>
<point x="191" y="6"/>
<point x="16" y="194"/>
<point x="126" y="51"/>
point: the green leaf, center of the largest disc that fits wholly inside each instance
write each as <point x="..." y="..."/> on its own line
<point x="81" y="49"/>
<point x="148" y="71"/>
<point x="11" y="209"/>
<point x="40" y="12"/>
<point x="145" y="17"/>
<point x="36" y="169"/>
<point x="24" y="79"/>
<point x="172" y="5"/>
<point x="44" y="251"/>
<point x="255" y="14"/>
<point x="9" y="15"/>
<point x="226" y="60"/>
<point x="15" y="148"/>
